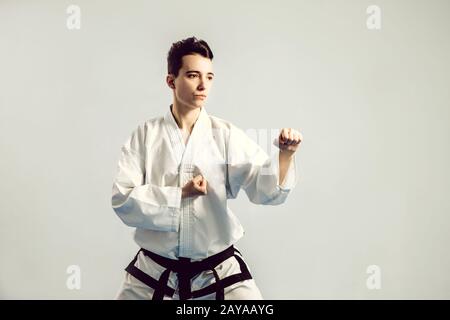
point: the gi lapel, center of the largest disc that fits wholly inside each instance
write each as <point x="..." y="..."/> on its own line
<point x="199" y="135"/>
<point x="175" y="136"/>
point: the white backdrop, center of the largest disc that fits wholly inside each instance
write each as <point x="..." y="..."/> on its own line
<point x="373" y="106"/>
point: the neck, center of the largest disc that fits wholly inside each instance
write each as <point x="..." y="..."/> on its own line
<point x="185" y="116"/>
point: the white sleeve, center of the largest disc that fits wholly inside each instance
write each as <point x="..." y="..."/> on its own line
<point x="143" y="205"/>
<point x="250" y="168"/>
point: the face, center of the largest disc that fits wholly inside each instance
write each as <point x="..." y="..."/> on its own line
<point x="194" y="80"/>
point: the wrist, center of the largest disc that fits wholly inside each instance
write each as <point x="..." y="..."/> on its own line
<point x="285" y="154"/>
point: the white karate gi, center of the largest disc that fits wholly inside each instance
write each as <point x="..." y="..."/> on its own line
<point x="155" y="164"/>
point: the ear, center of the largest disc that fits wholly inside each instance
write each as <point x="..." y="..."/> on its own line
<point x="170" y="79"/>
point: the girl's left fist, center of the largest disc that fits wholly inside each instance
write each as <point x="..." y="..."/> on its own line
<point x="289" y="140"/>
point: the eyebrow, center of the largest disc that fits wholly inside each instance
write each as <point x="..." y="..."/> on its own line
<point x="195" y="71"/>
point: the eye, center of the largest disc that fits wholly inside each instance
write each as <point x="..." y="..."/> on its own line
<point x="192" y="75"/>
<point x="210" y="78"/>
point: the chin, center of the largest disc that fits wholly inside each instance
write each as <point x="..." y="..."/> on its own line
<point x="198" y="104"/>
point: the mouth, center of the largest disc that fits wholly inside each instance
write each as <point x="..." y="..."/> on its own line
<point x="201" y="96"/>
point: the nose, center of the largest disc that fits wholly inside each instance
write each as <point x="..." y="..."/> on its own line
<point x="201" y="85"/>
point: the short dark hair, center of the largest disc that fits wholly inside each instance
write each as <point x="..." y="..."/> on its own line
<point x="182" y="48"/>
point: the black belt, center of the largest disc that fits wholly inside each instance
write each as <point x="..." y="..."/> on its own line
<point x="186" y="270"/>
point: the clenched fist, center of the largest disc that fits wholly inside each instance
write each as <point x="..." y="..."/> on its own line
<point x="195" y="187"/>
<point x="289" y="140"/>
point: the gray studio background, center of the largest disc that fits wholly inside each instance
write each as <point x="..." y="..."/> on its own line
<point x="373" y="106"/>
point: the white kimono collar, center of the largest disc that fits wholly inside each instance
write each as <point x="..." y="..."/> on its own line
<point x="201" y="129"/>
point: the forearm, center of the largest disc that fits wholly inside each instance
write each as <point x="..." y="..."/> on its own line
<point x="285" y="158"/>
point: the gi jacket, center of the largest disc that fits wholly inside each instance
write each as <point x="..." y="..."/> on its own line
<point x="155" y="164"/>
